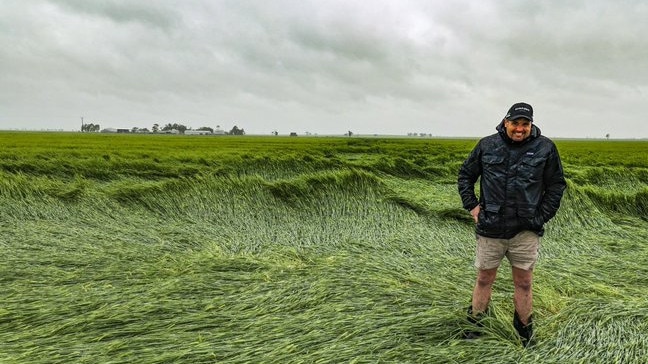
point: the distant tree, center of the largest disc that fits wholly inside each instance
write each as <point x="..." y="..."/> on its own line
<point x="90" y="127"/>
<point x="206" y="128"/>
<point x="179" y="127"/>
<point x="275" y="133"/>
<point x="236" y="131"/>
<point x="349" y="133"/>
<point x="156" y="127"/>
<point x="607" y="136"/>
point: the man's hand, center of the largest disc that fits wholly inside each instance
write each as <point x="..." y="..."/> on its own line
<point x="475" y="213"/>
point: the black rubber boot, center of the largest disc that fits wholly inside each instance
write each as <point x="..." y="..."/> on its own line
<point x="525" y="331"/>
<point x="476" y="320"/>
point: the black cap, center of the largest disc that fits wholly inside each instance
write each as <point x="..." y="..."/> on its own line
<point x="520" y="110"/>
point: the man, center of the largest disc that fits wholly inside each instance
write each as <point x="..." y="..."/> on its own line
<point x="520" y="189"/>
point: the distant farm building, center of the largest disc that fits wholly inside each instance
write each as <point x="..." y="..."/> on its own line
<point x="172" y="131"/>
<point x="114" y="130"/>
<point x="198" y="132"/>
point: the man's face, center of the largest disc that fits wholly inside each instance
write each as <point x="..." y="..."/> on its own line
<point x="518" y="129"/>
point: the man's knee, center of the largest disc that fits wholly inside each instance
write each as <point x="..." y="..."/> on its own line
<point x="486" y="278"/>
<point x="522" y="279"/>
<point x="523" y="285"/>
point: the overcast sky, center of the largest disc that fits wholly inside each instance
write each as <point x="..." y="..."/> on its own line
<point x="448" y="68"/>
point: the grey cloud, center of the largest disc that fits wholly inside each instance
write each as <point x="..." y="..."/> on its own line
<point x="311" y="64"/>
<point x="153" y="13"/>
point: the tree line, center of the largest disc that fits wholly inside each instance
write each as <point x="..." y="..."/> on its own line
<point x="90" y="127"/>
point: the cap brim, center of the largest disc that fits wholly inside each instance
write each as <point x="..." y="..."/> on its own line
<point x="515" y="117"/>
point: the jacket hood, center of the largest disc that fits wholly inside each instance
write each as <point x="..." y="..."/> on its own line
<point x="535" y="132"/>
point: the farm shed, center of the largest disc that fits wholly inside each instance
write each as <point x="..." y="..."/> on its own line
<point x="197" y="132"/>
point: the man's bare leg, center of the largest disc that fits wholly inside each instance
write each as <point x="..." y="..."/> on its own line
<point x="522" y="293"/>
<point x="483" y="289"/>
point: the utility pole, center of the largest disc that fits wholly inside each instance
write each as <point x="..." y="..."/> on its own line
<point x="82" y="124"/>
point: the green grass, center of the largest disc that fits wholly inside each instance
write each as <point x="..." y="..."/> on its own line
<point x="172" y="249"/>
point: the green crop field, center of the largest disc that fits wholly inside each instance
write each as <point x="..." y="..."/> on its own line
<point x="225" y="249"/>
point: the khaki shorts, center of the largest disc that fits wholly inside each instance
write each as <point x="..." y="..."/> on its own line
<point x="521" y="251"/>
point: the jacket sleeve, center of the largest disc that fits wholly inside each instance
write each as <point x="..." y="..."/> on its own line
<point x="554" y="181"/>
<point x="469" y="172"/>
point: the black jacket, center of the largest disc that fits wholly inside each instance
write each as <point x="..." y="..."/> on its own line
<point x="520" y="187"/>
